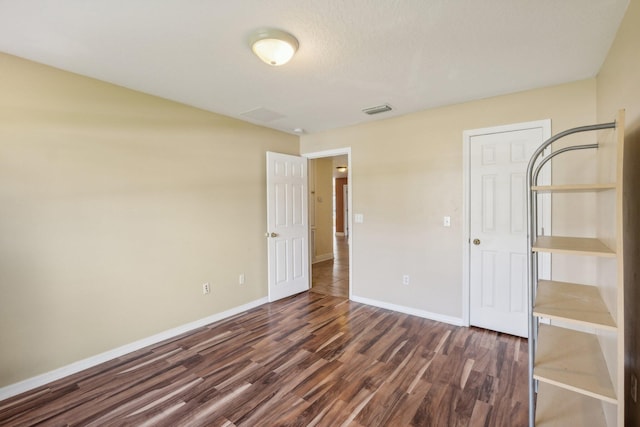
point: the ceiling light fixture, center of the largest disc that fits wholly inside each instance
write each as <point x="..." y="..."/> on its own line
<point x="342" y="168"/>
<point x="275" y="47"/>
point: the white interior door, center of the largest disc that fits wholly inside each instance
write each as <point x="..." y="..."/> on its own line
<point x="287" y="225"/>
<point x="498" y="228"/>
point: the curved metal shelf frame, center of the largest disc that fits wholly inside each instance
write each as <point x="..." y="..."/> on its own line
<point x="533" y="170"/>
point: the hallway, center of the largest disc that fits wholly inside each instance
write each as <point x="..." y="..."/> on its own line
<point x="331" y="277"/>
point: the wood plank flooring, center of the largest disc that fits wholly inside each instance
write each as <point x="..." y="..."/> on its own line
<point x="308" y="360"/>
<point x="331" y="277"/>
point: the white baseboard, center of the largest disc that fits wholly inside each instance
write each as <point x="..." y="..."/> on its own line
<point x="339" y="233"/>
<point x="40" y="380"/>
<point x="409" y="310"/>
<point x="323" y="257"/>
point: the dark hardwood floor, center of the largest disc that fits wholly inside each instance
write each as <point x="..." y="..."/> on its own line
<point x="308" y="360"/>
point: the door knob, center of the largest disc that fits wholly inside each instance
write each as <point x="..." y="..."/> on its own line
<point x="476" y="241"/>
<point x="274" y="234"/>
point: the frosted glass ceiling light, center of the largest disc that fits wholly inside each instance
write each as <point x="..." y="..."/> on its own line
<point x="274" y="47"/>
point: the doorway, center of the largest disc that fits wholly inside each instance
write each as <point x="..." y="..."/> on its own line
<point x="330" y="223"/>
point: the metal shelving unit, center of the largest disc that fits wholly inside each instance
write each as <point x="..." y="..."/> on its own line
<point x="576" y="377"/>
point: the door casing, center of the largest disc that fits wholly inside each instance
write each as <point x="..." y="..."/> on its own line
<point x="348" y="221"/>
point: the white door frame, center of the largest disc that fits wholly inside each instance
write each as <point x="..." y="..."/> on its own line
<point x="545" y="176"/>
<point x="332" y="153"/>
<point x="345" y="208"/>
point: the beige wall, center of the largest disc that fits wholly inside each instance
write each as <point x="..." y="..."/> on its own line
<point x="115" y="207"/>
<point x="407" y="174"/>
<point x="324" y="207"/>
<point x="618" y="86"/>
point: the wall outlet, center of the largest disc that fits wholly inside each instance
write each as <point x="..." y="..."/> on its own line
<point x="241" y="279"/>
<point x="206" y="289"/>
<point x="405" y="279"/>
<point x="634" y="388"/>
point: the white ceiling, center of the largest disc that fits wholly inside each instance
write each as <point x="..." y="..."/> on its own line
<point x="354" y="54"/>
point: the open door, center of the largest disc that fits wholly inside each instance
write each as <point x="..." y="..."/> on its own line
<point x="287" y="225"/>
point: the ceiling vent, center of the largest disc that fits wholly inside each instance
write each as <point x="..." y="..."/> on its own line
<point x="263" y="115"/>
<point x="377" y="110"/>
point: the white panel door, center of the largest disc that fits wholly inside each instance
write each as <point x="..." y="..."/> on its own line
<point x="498" y="229"/>
<point x="287" y="225"/>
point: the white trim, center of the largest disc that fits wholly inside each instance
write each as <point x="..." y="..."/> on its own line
<point x="323" y="257"/>
<point x="465" y="228"/>
<point x="409" y="310"/>
<point x="328" y="153"/>
<point x="545" y="176"/>
<point x="340" y="152"/>
<point x="40" y="380"/>
<point x="339" y="233"/>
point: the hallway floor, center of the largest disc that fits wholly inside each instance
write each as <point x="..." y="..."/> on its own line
<point x="331" y="277"/>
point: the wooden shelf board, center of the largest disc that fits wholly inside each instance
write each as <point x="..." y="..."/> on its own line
<point x="556" y="407"/>
<point x="572" y="188"/>
<point x="572" y="245"/>
<point x="572" y="360"/>
<point x="580" y="304"/>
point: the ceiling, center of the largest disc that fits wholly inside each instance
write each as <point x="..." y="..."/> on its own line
<point x="410" y="54"/>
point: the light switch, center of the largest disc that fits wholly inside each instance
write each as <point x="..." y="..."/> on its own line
<point x="447" y="221"/>
<point x="358" y="218"/>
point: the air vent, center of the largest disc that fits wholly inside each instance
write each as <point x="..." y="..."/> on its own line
<point x="377" y="110"/>
<point x="263" y="115"/>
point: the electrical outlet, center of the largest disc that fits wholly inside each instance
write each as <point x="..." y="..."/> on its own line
<point x="405" y="279"/>
<point x="206" y="289"/>
<point x="634" y="388"/>
<point x="241" y="279"/>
